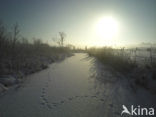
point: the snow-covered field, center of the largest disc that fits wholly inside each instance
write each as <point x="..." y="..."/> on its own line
<point x="79" y="86"/>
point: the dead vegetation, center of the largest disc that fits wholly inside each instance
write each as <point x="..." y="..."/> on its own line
<point x="20" y="57"/>
<point x="141" y="73"/>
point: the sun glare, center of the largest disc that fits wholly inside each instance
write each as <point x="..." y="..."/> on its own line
<point x="107" y="27"/>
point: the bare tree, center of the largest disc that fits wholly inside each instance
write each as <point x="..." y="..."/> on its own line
<point x="62" y="38"/>
<point x="16" y="32"/>
<point x="2" y="35"/>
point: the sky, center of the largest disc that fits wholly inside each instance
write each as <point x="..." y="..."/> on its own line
<point x="78" y="18"/>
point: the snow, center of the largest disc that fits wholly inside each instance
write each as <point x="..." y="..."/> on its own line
<point x="7" y="80"/>
<point x="76" y="87"/>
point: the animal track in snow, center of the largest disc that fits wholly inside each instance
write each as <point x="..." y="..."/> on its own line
<point x="69" y="99"/>
<point x="46" y="102"/>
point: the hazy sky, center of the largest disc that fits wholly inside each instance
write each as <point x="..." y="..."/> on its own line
<point x="77" y="18"/>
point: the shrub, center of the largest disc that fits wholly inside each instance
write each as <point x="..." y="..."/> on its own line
<point x="116" y="58"/>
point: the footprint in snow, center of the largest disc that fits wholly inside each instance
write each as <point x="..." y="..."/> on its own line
<point x="42" y="103"/>
<point x="94" y="96"/>
<point x="49" y="106"/>
<point x="42" y="95"/>
<point x="62" y="102"/>
<point x="54" y="105"/>
<point x="70" y="98"/>
<point x="45" y="99"/>
<point x="102" y="100"/>
<point x="111" y="105"/>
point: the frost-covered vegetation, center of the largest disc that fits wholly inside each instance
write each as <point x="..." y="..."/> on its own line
<point x="19" y="57"/>
<point x="119" y="60"/>
<point x="140" y="69"/>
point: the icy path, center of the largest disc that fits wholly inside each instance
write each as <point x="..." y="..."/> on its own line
<point x="69" y="89"/>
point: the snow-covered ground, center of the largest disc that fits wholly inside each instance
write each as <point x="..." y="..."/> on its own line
<point x="75" y="87"/>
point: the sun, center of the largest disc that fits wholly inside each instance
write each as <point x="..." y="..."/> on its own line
<point x="107" y="27"/>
